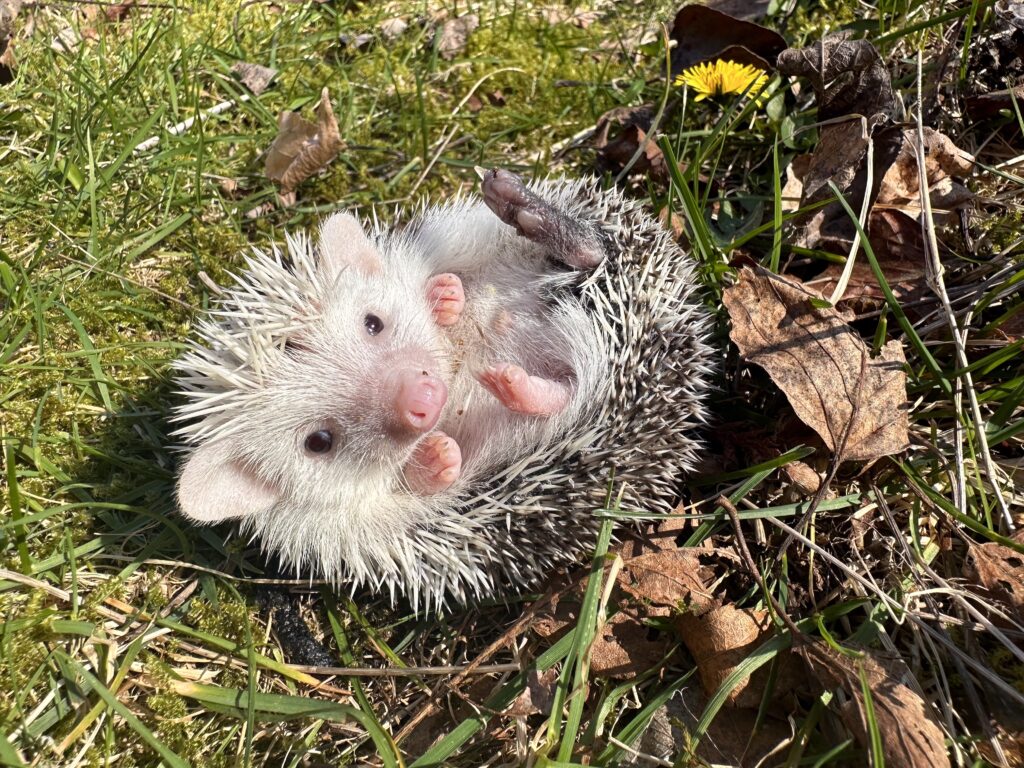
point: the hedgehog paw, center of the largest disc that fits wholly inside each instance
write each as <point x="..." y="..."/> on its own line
<point x="446" y="298"/>
<point x="572" y="242"/>
<point x="435" y="464"/>
<point x="521" y="393"/>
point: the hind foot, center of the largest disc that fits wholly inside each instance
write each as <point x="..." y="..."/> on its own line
<point x="435" y="464"/>
<point x="573" y="242"/>
<point x="446" y="298"/>
<point x="521" y="393"/>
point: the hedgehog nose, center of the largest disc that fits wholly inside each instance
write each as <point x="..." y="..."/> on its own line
<point x="418" y="398"/>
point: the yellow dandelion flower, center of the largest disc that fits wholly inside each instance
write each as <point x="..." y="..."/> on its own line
<point x="719" y="78"/>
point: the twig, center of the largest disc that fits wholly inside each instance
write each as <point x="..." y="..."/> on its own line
<point x="184" y="125"/>
<point x="481" y="669"/>
<point x="748" y="561"/>
<point x="431" y="707"/>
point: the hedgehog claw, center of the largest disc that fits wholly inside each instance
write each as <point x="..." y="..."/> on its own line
<point x="521" y="393"/>
<point x="571" y="241"/>
<point x="446" y="297"/>
<point x="435" y="464"/>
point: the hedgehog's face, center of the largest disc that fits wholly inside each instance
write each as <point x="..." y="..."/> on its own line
<point x="345" y="400"/>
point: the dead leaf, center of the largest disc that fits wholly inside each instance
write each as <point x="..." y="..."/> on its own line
<point x="858" y="405"/>
<point x="736" y="738"/>
<point x="255" y="77"/>
<point x="793" y="189"/>
<point x="901" y="186"/>
<point x="849" y="78"/>
<point x="803" y="478"/>
<point x="740" y="9"/>
<point x="451" y="38"/>
<point x="908" y="727"/>
<point x="1000" y="571"/>
<point x="900" y="257"/>
<point x="702" y="33"/>
<point x="672" y="577"/>
<point x="555" y="15"/>
<point x="536" y="698"/>
<point x="9" y="10"/>
<point x="624" y="648"/>
<point x="301" y="148"/>
<point x="392" y="29"/>
<point x="721" y="638"/>
<point x="985" y="105"/>
<point x="355" y="42"/>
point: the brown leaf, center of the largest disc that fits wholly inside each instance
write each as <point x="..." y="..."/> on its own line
<point x="255" y="77"/>
<point x="555" y="15"/>
<point x="452" y="37"/>
<point x="736" y="738"/>
<point x="8" y="13"/>
<point x="702" y="33"/>
<point x="901" y="186"/>
<point x="804" y="479"/>
<point x="900" y="253"/>
<point x="849" y="77"/>
<point x="392" y="29"/>
<point x="624" y="648"/>
<point x="301" y="148"/>
<point x="849" y="80"/>
<point x="740" y="9"/>
<point x="536" y="698"/>
<point x="671" y="577"/>
<point x="855" y="403"/>
<point x="907" y="725"/>
<point x="723" y="637"/>
<point x="1000" y="571"/>
<point x="793" y="189"/>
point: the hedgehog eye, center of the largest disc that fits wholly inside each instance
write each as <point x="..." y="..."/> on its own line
<point x="319" y="441"/>
<point x="373" y="324"/>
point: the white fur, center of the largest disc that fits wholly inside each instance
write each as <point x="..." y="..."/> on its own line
<point x="521" y="505"/>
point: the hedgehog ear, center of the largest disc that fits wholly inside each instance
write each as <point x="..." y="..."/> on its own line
<point x="344" y="244"/>
<point x="214" y="486"/>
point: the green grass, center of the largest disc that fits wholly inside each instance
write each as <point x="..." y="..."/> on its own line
<point x="131" y="638"/>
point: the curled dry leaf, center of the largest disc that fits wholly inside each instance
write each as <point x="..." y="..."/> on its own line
<point x="8" y="12"/>
<point x="255" y="77"/>
<point x="392" y="29"/>
<point x="910" y="732"/>
<point x="1000" y="571"/>
<point x="301" y="148"/>
<point x="900" y="252"/>
<point x="804" y="479"/>
<point x="738" y="739"/>
<point x="901" y="186"/>
<point x="720" y="639"/>
<point x="536" y="698"/>
<point x="672" y="577"/>
<point x="849" y="78"/>
<point x="858" y="405"/>
<point x="702" y="33"/>
<point x="451" y="38"/>
<point x="624" y="647"/>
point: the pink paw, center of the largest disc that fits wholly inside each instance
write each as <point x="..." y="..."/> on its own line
<point x="446" y="298"/>
<point x="521" y="393"/>
<point x="434" y="465"/>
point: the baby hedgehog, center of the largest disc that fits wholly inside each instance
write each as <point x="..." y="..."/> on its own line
<point x="437" y="409"/>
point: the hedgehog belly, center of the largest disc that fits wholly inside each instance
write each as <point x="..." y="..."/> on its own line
<point x="538" y="514"/>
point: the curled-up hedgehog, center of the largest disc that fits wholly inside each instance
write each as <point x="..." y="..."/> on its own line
<point x="436" y="410"/>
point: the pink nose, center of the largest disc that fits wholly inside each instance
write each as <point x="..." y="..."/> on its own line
<point x="418" y="400"/>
